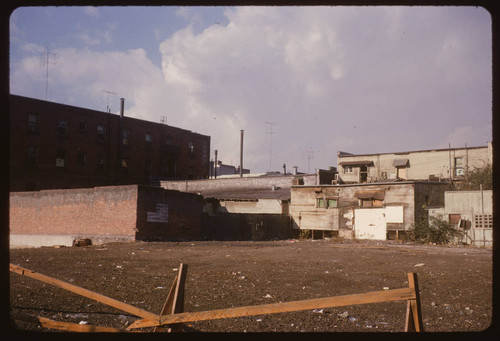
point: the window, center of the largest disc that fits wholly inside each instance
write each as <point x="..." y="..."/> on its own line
<point x="326" y="202"/>
<point x="125" y="137"/>
<point x="81" y="158"/>
<point x="191" y="148"/>
<point x="459" y="166"/>
<point x="204" y="153"/>
<point x="148" y="166"/>
<point x="60" y="158"/>
<point x="371" y="203"/>
<point x="454" y="218"/>
<point x="124" y="165"/>
<point x="31" y="157"/>
<point x="62" y="128"/>
<point x="82" y="127"/>
<point x="101" y="133"/>
<point x="100" y="161"/>
<point x="347" y="169"/>
<point x="149" y="140"/>
<point x="33" y="123"/>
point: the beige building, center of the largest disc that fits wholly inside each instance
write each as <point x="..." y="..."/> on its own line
<point x="471" y="211"/>
<point x="435" y="164"/>
<point x="364" y="211"/>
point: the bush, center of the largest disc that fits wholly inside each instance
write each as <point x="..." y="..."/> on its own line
<point x="434" y="230"/>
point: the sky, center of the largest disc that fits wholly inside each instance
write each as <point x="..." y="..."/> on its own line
<point x="302" y="82"/>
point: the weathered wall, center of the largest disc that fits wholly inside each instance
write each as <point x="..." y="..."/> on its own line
<point x="403" y="203"/>
<point x="421" y="164"/>
<point x="168" y="215"/>
<point x="108" y="212"/>
<point x="261" y="206"/>
<point x="238" y="182"/>
<point x="114" y="213"/>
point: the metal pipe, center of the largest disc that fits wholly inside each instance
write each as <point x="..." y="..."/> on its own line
<point x="241" y="155"/>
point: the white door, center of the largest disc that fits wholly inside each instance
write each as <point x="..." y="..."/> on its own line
<point x="370" y="223"/>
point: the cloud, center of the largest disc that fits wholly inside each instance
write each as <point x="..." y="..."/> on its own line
<point x="362" y="80"/>
<point x="91" y="11"/>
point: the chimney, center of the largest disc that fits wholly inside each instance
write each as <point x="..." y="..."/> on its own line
<point x="122" y="106"/>
<point x="241" y="155"/>
<point x="294" y="170"/>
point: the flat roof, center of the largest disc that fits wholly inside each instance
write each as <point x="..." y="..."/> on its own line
<point x="342" y="154"/>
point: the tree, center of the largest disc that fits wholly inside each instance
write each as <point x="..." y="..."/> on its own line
<point x="477" y="176"/>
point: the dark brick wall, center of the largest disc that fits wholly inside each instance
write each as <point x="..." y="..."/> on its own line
<point x="166" y="215"/>
<point x="168" y="156"/>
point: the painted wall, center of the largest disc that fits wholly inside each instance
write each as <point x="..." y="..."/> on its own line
<point x="403" y="203"/>
<point x="421" y="164"/>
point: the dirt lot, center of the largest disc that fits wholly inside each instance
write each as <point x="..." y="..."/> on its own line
<point x="455" y="283"/>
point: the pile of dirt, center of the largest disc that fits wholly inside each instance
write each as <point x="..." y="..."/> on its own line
<point x="455" y="283"/>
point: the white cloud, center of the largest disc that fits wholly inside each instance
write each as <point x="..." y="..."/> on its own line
<point x="91" y="11"/>
<point x="376" y="79"/>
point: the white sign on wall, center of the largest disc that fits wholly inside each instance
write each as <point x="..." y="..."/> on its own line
<point x="394" y="214"/>
<point x="160" y="215"/>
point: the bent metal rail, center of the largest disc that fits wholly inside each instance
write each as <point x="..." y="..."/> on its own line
<point x="172" y="314"/>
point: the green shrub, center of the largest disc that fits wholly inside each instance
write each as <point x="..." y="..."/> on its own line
<point x="435" y="230"/>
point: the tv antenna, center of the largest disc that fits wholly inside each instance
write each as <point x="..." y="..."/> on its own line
<point x="310" y="156"/>
<point x="108" y="110"/>
<point x="46" y="61"/>
<point x="270" y="132"/>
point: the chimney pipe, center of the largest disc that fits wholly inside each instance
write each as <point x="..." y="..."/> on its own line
<point x="122" y="106"/>
<point x="241" y="155"/>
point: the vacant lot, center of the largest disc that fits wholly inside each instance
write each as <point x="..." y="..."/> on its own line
<point x="455" y="283"/>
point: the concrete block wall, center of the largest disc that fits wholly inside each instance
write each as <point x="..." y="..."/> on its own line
<point x="240" y="183"/>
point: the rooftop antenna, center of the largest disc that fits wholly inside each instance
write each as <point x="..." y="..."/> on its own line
<point x="270" y="132"/>
<point x="108" y="110"/>
<point x="310" y="156"/>
<point x="46" y="61"/>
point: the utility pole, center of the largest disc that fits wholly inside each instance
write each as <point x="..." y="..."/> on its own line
<point x="241" y="155"/>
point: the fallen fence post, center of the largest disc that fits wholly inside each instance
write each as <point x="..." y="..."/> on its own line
<point x="86" y="293"/>
<point x="413" y="310"/>
<point x="175" y="300"/>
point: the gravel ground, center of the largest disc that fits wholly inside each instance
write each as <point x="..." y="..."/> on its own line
<point x="455" y="283"/>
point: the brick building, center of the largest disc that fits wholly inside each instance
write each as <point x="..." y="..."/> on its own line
<point x="103" y="214"/>
<point x="55" y="146"/>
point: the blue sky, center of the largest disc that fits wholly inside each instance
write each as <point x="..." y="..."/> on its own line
<point x="302" y="82"/>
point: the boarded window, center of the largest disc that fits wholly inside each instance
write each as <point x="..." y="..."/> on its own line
<point x="454" y="218"/>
